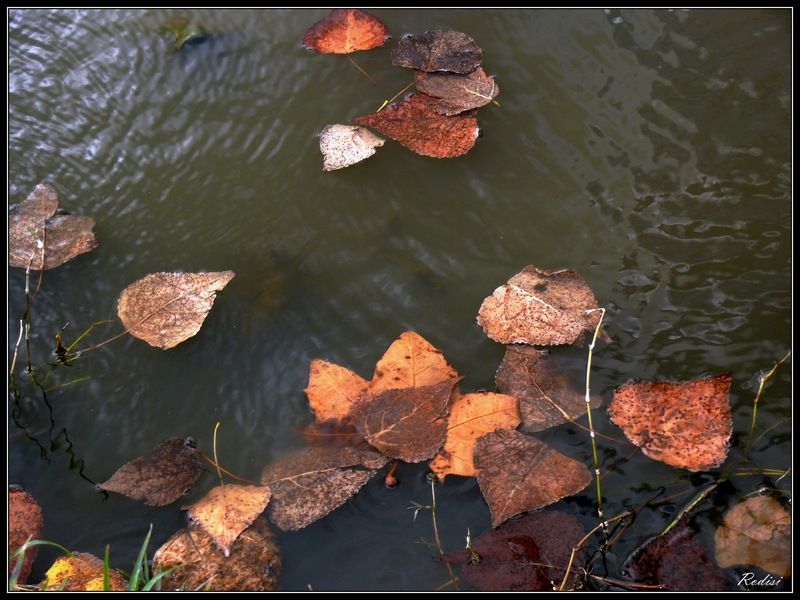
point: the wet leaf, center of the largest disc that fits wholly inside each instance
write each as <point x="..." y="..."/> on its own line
<point x="333" y="432"/>
<point x="541" y="308"/>
<point x="39" y="237"/>
<point x="409" y="423"/>
<point x="458" y="93"/>
<point x="411" y="361"/>
<point x="310" y="483"/>
<point x="227" y="510"/>
<point x="517" y="473"/>
<point x="437" y="50"/>
<point x="523" y="554"/>
<point x="545" y="392"/>
<point x="415" y="124"/>
<point x="332" y="390"/>
<point x="756" y="532"/>
<point x="346" y="30"/>
<point x="25" y="521"/>
<point x="345" y="145"/>
<point x="80" y="572"/>
<point x="685" y="424"/>
<point x="472" y="416"/>
<point x="159" y="477"/>
<point x="185" y="32"/>
<point x="254" y="564"/>
<point x="164" y="309"/>
<point x="677" y="561"/>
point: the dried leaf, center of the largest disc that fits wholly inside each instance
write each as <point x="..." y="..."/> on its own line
<point x="545" y="392"/>
<point x="677" y="561"/>
<point x="80" y="572"/>
<point x="308" y="484"/>
<point x="25" y="521"/>
<point x="409" y="423"/>
<point x="227" y="510"/>
<point x="164" y="309"/>
<point x="437" y="50"/>
<point x="333" y="432"/>
<point x="517" y="473"/>
<point x="458" y="93"/>
<point x="472" y="416"/>
<point x="540" y="307"/>
<point x="757" y="532"/>
<point x="685" y="424"/>
<point x="345" y="145"/>
<point x="411" y="361"/>
<point x="332" y="390"/>
<point x="159" y="477"/>
<point x="346" y="30"/>
<point x="39" y="237"/>
<point x="523" y="554"/>
<point x="415" y="124"/>
<point x="254" y="564"/>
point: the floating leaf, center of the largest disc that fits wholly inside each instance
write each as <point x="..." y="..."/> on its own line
<point x="80" y="572"/>
<point x="757" y="532"/>
<point x="159" y="477"/>
<point x="185" y="32"/>
<point x="333" y="432"/>
<point x="546" y="395"/>
<point x="411" y="361"/>
<point x="308" y="484"/>
<point x="227" y="510"/>
<point x="409" y="423"/>
<point x="164" y="309"/>
<point x="458" y="93"/>
<point x="345" y="145"/>
<point x="39" y="237"/>
<point x="346" y="30"/>
<point x="332" y="390"/>
<point x="677" y="561"/>
<point x="254" y="564"/>
<point x="472" y="416"/>
<point x="540" y="307"/>
<point x="437" y="50"/>
<point x="25" y="522"/>
<point x="684" y="424"/>
<point x="517" y="473"/>
<point x="415" y="124"/>
<point x="524" y="554"/>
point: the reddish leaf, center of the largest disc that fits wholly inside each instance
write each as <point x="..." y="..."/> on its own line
<point x="346" y="30"/>
<point x="541" y="308"/>
<point x="684" y="424"/>
<point x="437" y="50"/>
<point x="415" y="124"/>
<point x="518" y="473"/>
<point x="25" y="522"/>
<point x="458" y="93"/>
<point x="332" y="390"/>
<point x="411" y="361"/>
<point x="345" y="145"/>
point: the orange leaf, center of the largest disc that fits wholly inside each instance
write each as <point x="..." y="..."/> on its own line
<point x="332" y="390"/>
<point x="346" y="30"/>
<point x="80" y="572"/>
<point x="411" y="361"/>
<point x="25" y="522"/>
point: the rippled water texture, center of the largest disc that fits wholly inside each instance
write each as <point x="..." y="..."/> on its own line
<point x="649" y="150"/>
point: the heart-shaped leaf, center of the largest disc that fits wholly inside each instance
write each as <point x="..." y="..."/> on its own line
<point x="411" y="361"/>
<point x="346" y="30"/>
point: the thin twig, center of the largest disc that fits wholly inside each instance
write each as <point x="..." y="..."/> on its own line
<point x="595" y="455"/>
<point x="363" y="72"/>
<point x="695" y="501"/>
<point x="762" y="381"/>
<point x="436" y="537"/>
<point x="219" y="467"/>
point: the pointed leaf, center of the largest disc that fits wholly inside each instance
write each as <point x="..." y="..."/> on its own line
<point x="411" y="361"/>
<point x="80" y="572"/>
<point x="346" y="30"/>
<point x="458" y="93"/>
<point x="164" y="309"/>
<point x="437" y="50"/>
<point x="685" y="424"/>
<point x="332" y="390"/>
<point x="25" y="522"/>
<point x="345" y="145"/>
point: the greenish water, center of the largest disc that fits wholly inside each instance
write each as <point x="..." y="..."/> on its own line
<point x="649" y="150"/>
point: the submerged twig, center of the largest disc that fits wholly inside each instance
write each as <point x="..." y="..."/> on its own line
<point x="762" y="381"/>
<point x="592" y="435"/>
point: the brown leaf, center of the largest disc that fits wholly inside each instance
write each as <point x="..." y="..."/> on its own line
<point x="472" y="416"/>
<point x="546" y="395"/>
<point x="39" y="237"/>
<point x="80" y="572"/>
<point x="541" y="308"/>
<point x="757" y="532"/>
<point x="411" y="361"/>
<point x="333" y="432"/>
<point x="346" y="30"/>
<point x="677" y="561"/>
<point x="685" y="424"/>
<point x="409" y="423"/>
<point x="159" y="477"/>
<point x="254" y="564"/>
<point x="437" y="50"/>
<point x="518" y="473"/>
<point x="332" y="390"/>
<point x="415" y="124"/>
<point x="164" y="309"/>
<point x="345" y="145"/>
<point x="227" y="510"/>
<point x="515" y="556"/>
<point x="25" y="521"/>
<point x="308" y="484"/>
<point x="458" y="93"/>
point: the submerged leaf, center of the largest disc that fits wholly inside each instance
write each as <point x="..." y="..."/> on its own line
<point x="685" y="424"/>
<point x="332" y="390"/>
<point x="411" y="361"/>
<point x="80" y="572"/>
<point x="25" y="522"/>
<point x="517" y="473"/>
<point x="185" y="32"/>
<point x="164" y="309"/>
<point x="457" y="93"/>
<point x="345" y="145"/>
<point x="346" y="30"/>
<point x="159" y="477"/>
<point x="437" y="50"/>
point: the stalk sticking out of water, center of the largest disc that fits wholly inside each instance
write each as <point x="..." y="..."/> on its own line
<point x="438" y="541"/>
<point x="762" y="381"/>
<point x="598" y="489"/>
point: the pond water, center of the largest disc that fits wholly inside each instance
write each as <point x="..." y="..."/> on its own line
<point x="648" y="150"/>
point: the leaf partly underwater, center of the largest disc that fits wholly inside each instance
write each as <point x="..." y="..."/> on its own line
<point x="458" y="93"/>
<point x="346" y="30"/>
<point x="345" y="145"/>
<point x="80" y="572"/>
<point x="25" y="521"/>
<point x="333" y="389"/>
<point x="437" y="50"/>
<point x="411" y="361"/>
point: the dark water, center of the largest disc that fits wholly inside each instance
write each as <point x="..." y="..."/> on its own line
<point x="649" y="150"/>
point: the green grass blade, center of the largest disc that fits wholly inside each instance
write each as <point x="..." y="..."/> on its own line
<point x="157" y="579"/>
<point x="106" y="580"/>
<point x="139" y="567"/>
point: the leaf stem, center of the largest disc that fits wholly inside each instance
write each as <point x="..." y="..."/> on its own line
<point x="592" y="434"/>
